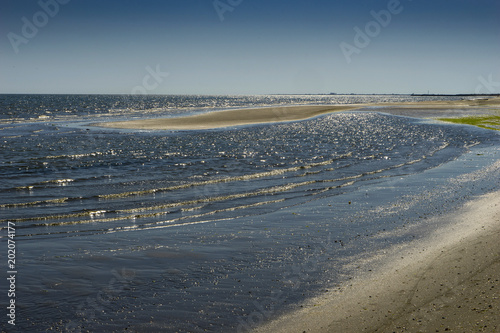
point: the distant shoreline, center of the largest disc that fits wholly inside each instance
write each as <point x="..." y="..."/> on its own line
<point x="238" y="117"/>
<point x="271" y="94"/>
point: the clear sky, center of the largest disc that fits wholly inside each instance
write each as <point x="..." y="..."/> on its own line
<point x="249" y="46"/>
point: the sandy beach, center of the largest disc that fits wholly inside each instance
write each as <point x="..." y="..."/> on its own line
<point x="448" y="283"/>
<point x="228" y="118"/>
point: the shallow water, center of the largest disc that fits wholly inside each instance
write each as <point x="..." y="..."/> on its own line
<point x="220" y="229"/>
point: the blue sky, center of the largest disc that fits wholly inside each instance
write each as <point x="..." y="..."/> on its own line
<point x="260" y="46"/>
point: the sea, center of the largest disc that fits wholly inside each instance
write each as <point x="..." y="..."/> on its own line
<point x="220" y="230"/>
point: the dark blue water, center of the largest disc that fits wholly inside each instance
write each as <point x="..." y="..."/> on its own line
<point x="213" y="230"/>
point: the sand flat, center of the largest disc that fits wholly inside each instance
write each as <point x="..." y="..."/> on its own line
<point x="447" y="283"/>
<point x="229" y="118"/>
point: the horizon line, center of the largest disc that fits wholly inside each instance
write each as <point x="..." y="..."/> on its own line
<point x="278" y="94"/>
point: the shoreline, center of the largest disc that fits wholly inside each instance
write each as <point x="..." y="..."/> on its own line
<point x="447" y="282"/>
<point x="239" y="117"/>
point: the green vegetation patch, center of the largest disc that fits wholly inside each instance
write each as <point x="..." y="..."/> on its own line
<point x="488" y="122"/>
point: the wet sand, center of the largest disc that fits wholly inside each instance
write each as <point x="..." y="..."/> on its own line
<point x="228" y="118"/>
<point x="447" y="283"/>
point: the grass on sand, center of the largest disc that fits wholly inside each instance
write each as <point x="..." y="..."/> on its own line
<point x="488" y="122"/>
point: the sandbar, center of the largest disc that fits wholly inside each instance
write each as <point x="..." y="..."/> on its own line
<point x="238" y="117"/>
<point x="229" y="118"/>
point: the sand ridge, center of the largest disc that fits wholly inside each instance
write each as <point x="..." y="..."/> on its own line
<point x="228" y="118"/>
<point x="238" y="117"/>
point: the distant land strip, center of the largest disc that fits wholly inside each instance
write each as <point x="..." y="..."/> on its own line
<point x="238" y="117"/>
